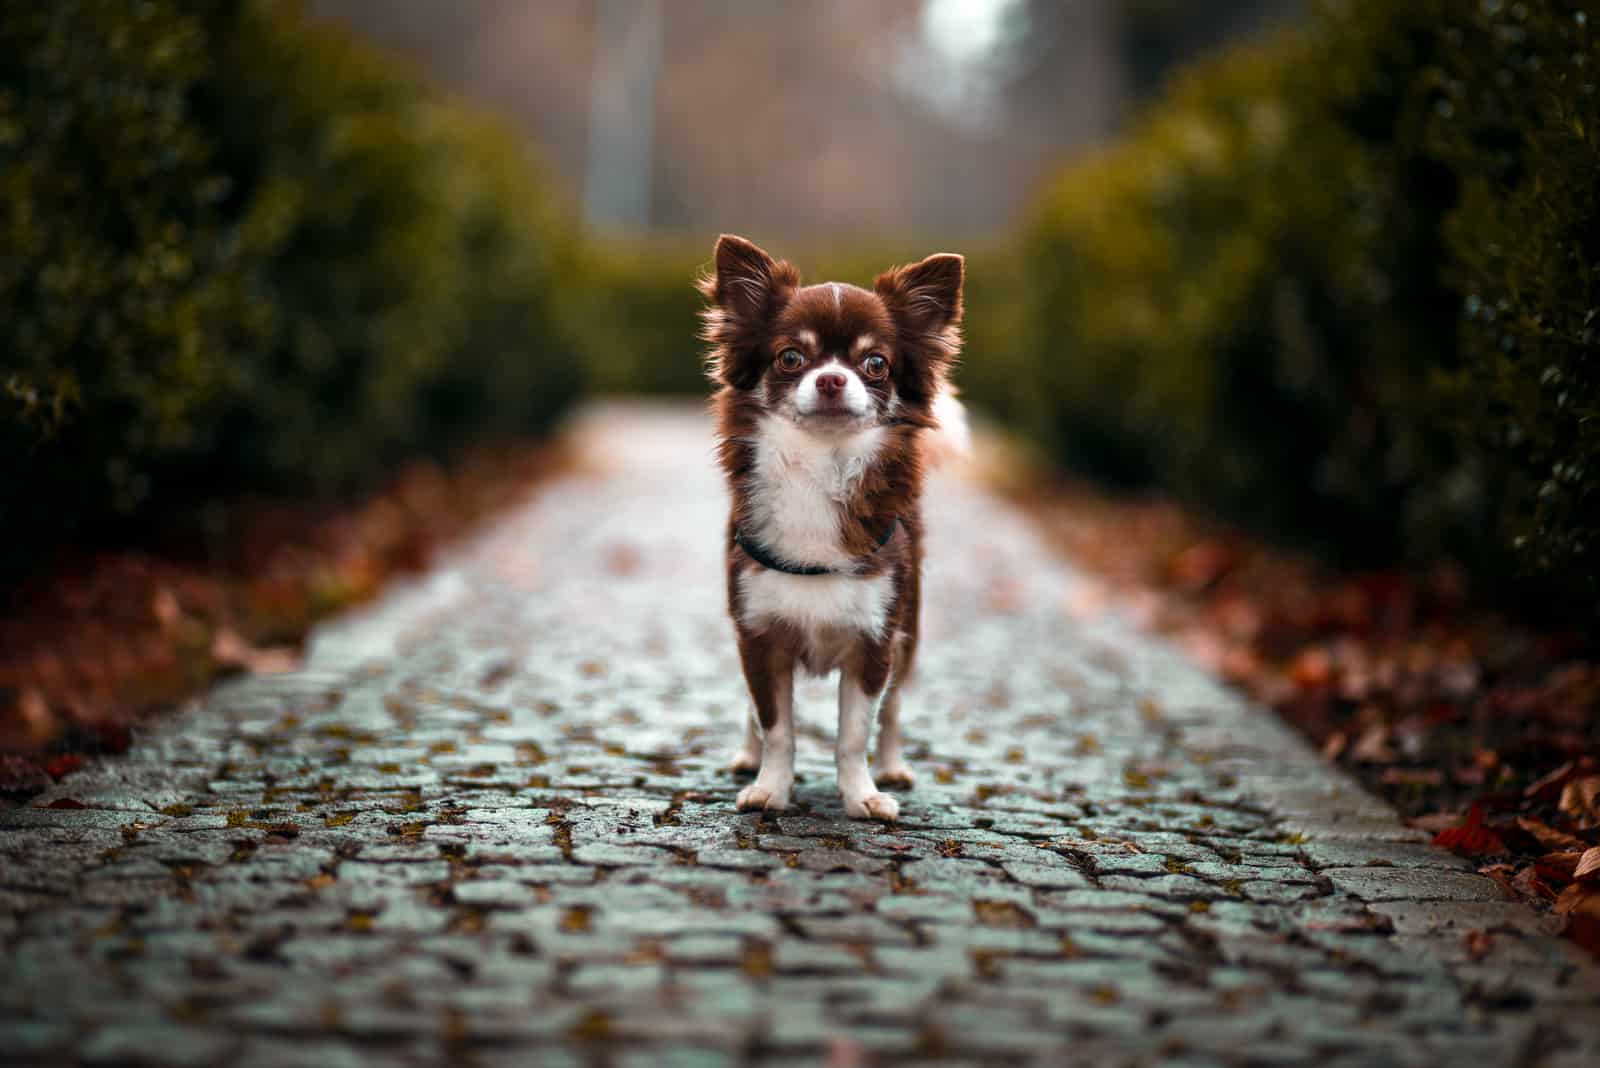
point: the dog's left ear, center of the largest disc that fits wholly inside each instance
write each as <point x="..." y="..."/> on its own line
<point x="925" y="298"/>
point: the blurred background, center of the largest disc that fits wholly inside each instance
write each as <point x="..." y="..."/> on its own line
<point x="823" y="118"/>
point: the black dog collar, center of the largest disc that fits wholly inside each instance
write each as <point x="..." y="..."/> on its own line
<point x="758" y="552"/>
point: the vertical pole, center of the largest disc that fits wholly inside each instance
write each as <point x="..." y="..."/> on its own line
<point x="627" y="62"/>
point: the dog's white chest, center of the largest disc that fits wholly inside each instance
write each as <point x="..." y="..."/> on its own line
<point x="801" y="480"/>
<point x="816" y="604"/>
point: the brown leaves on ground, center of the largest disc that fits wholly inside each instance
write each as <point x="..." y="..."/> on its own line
<point x="1580" y="901"/>
<point x="99" y="639"/>
<point x="1471" y="837"/>
<point x="1480" y="727"/>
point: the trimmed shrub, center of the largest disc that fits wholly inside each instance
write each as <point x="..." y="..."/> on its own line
<point x="1338" y="285"/>
<point x="117" y="279"/>
<point x="407" y="250"/>
<point x="251" y="253"/>
<point x="640" y="317"/>
<point x="1514" y="113"/>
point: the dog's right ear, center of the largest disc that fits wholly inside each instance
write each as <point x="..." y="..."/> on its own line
<point x="748" y="284"/>
<point x="744" y="291"/>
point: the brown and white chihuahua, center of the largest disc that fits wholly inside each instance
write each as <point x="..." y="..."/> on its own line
<point x="828" y="405"/>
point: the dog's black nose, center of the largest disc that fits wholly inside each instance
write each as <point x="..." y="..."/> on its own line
<point x="831" y="384"/>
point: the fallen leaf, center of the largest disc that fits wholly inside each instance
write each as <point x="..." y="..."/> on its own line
<point x="1471" y="837"/>
<point x="1477" y="944"/>
<point x="1373" y="747"/>
<point x="1580" y="799"/>
<point x="165" y="608"/>
<point x="1530" y="887"/>
<point x="1558" y="866"/>
<point x="1201" y="565"/>
<point x="62" y="764"/>
<point x="1312" y="669"/>
<point x="1549" y="837"/>
<point x="34" y="714"/>
<point x="1548" y="784"/>
<point x="1580" y="904"/>
<point x="1411" y="777"/>
<point x="66" y="802"/>
<point x="229" y="649"/>
<point x="1503" y="875"/>
<point x="1572" y="896"/>
<point x="1588" y="869"/>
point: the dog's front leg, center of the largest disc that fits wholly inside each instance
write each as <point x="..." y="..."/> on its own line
<point x="769" y="672"/>
<point x="858" y="700"/>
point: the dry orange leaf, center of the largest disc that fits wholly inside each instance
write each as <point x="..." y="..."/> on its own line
<point x="1550" y="782"/>
<point x="1580" y="904"/>
<point x="1580" y="799"/>
<point x="1588" y="869"/>
<point x="230" y="649"/>
<point x="1477" y="944"/>
<point x="1549" y="837"/>
<point x="1559" y="866"/>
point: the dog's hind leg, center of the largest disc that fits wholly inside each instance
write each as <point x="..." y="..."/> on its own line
<point x="748" y="760"/>
<point x="891" y="763"/>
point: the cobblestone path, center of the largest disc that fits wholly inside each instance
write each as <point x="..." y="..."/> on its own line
<point x="488" y="824"/>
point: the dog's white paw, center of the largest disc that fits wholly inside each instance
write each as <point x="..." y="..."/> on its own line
<point x="872" y="807"/>
<point x="895" y="773"/>
<point x="758" y="798"/>
<point x="745" y="763"/>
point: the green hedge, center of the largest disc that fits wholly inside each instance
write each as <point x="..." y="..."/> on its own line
<point x="245" y="252"/>
<point x="1339" y="285"/>
<point x="117" y="280"/>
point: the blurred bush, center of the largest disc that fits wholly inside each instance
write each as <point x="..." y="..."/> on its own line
<point x="245" y="252"/>
<point x="117" y="279"/>
<point x="1339" y="285"/>
<point x="641" y="315"/>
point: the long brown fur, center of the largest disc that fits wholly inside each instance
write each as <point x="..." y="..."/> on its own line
<point x="757" y="307"/>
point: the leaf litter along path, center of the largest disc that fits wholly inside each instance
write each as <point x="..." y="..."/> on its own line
<point x="487" y="822"/>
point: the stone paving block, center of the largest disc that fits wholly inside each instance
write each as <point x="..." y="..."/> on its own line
<point x="1061" y="876"/>
<point x="1414" y="884"/>
<point x="1356" y="854"/>
<point x="493" y="893"/>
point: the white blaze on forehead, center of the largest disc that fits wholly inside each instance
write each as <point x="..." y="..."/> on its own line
<point x="864" y="343"/>
<point x="835" y="287"/>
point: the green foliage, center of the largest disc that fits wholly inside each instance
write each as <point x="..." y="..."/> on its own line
<point x="640" y="315"/>
<point x="1256" y="299"/>
<point x="407" y="254"/>
<point x="115" y="279"/>
<point x="1515" y="115"/>
<point x="243" y="251"/>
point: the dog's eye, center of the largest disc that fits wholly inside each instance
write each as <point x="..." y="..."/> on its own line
<point x="791" y="360"/>
<point x="875" y="366"/>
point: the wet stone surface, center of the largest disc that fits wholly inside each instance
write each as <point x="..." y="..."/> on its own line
<point x="488" y="823"/>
